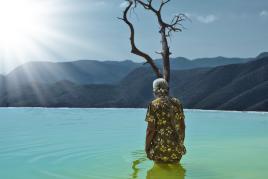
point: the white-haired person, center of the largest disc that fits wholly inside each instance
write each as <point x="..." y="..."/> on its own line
<point x="166" y="128"/>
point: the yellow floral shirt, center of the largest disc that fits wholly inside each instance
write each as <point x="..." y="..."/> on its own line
<point x="166" y="114"/>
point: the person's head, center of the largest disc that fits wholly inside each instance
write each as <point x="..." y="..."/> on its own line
<point x="160" y="87"/>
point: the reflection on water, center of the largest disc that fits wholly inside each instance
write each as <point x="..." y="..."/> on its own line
<point x="166" y="171"/>
<point x="158" y="171"/>
<point x="135" y="167"/>
<point x="141" y="158"/>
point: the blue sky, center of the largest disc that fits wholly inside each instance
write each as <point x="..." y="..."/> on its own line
<point x="89" y="29"/>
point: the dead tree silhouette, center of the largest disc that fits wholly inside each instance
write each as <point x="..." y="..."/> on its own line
<point x="175" y="25"/>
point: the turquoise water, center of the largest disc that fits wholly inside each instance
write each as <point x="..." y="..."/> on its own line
<point x="37" y="143"/>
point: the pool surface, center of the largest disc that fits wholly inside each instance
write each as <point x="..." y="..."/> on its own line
<point x="41" y="143"/>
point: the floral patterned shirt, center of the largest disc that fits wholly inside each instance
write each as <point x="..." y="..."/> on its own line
<point x="165" y="118"/>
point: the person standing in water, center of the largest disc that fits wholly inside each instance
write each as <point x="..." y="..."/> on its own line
<point x="166" y="128"/>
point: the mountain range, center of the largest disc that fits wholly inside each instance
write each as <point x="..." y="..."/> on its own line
<point x="212" y="83"/>
<point x="81" y="72"/>
<point x="100" y="72"/>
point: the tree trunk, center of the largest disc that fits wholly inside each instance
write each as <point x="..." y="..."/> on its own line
<point x="165" y="55"/>
<point x="165" y="31"/>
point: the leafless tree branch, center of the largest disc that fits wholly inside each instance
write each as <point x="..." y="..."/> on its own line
<point x="162" y="4"/>
<point x="134" y="48"/>
<point x="165" y="30"/>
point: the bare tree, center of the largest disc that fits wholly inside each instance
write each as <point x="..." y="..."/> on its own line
<point x="165" y="30"/>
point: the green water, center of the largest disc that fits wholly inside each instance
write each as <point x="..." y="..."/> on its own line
<point x="37" y="143"/>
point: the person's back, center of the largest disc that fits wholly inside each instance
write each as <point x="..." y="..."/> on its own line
<point x="166" y="129"/>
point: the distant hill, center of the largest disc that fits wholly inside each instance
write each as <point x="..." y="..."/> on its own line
<point x="180" y="63"/>
<point x="229" y="87"/>
<point x="262" y="55"/>
<point x="2" y="77"/>
<point x="59" y="94"/>
<point x="80" y="72"/>
<point x="237" y="86"/>
<point x="101" y="72"/>
<point x="2" y="86"/>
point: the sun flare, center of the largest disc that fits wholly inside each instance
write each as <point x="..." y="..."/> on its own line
<point x="28" y="31"/>
<point x="20" y="19"/>
<point x="38" y="30"/>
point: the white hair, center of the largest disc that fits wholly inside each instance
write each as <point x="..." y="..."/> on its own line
<point x="160" y="85"/>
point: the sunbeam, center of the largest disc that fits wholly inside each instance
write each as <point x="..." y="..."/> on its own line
<point x="30" y="30"/>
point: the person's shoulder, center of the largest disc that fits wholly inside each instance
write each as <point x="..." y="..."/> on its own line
<point x="177" y="104"/>
<point x="156" y="101"/>
<point x="176" y="100"/>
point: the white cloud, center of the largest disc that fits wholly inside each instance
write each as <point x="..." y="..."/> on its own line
<point x="100" y="3"/>
<point x="123" y="4"/>
<point x="263" y="13"/>
<point x="207" y="19"/>
<point x="188" y="14"/>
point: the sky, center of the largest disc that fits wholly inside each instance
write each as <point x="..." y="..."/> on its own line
<point x="67" y="30"/>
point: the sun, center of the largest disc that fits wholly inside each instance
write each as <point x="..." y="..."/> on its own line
<point x="34" y="30"/>
<point x="26" y="30"/>
<point x="19" y="20"/>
